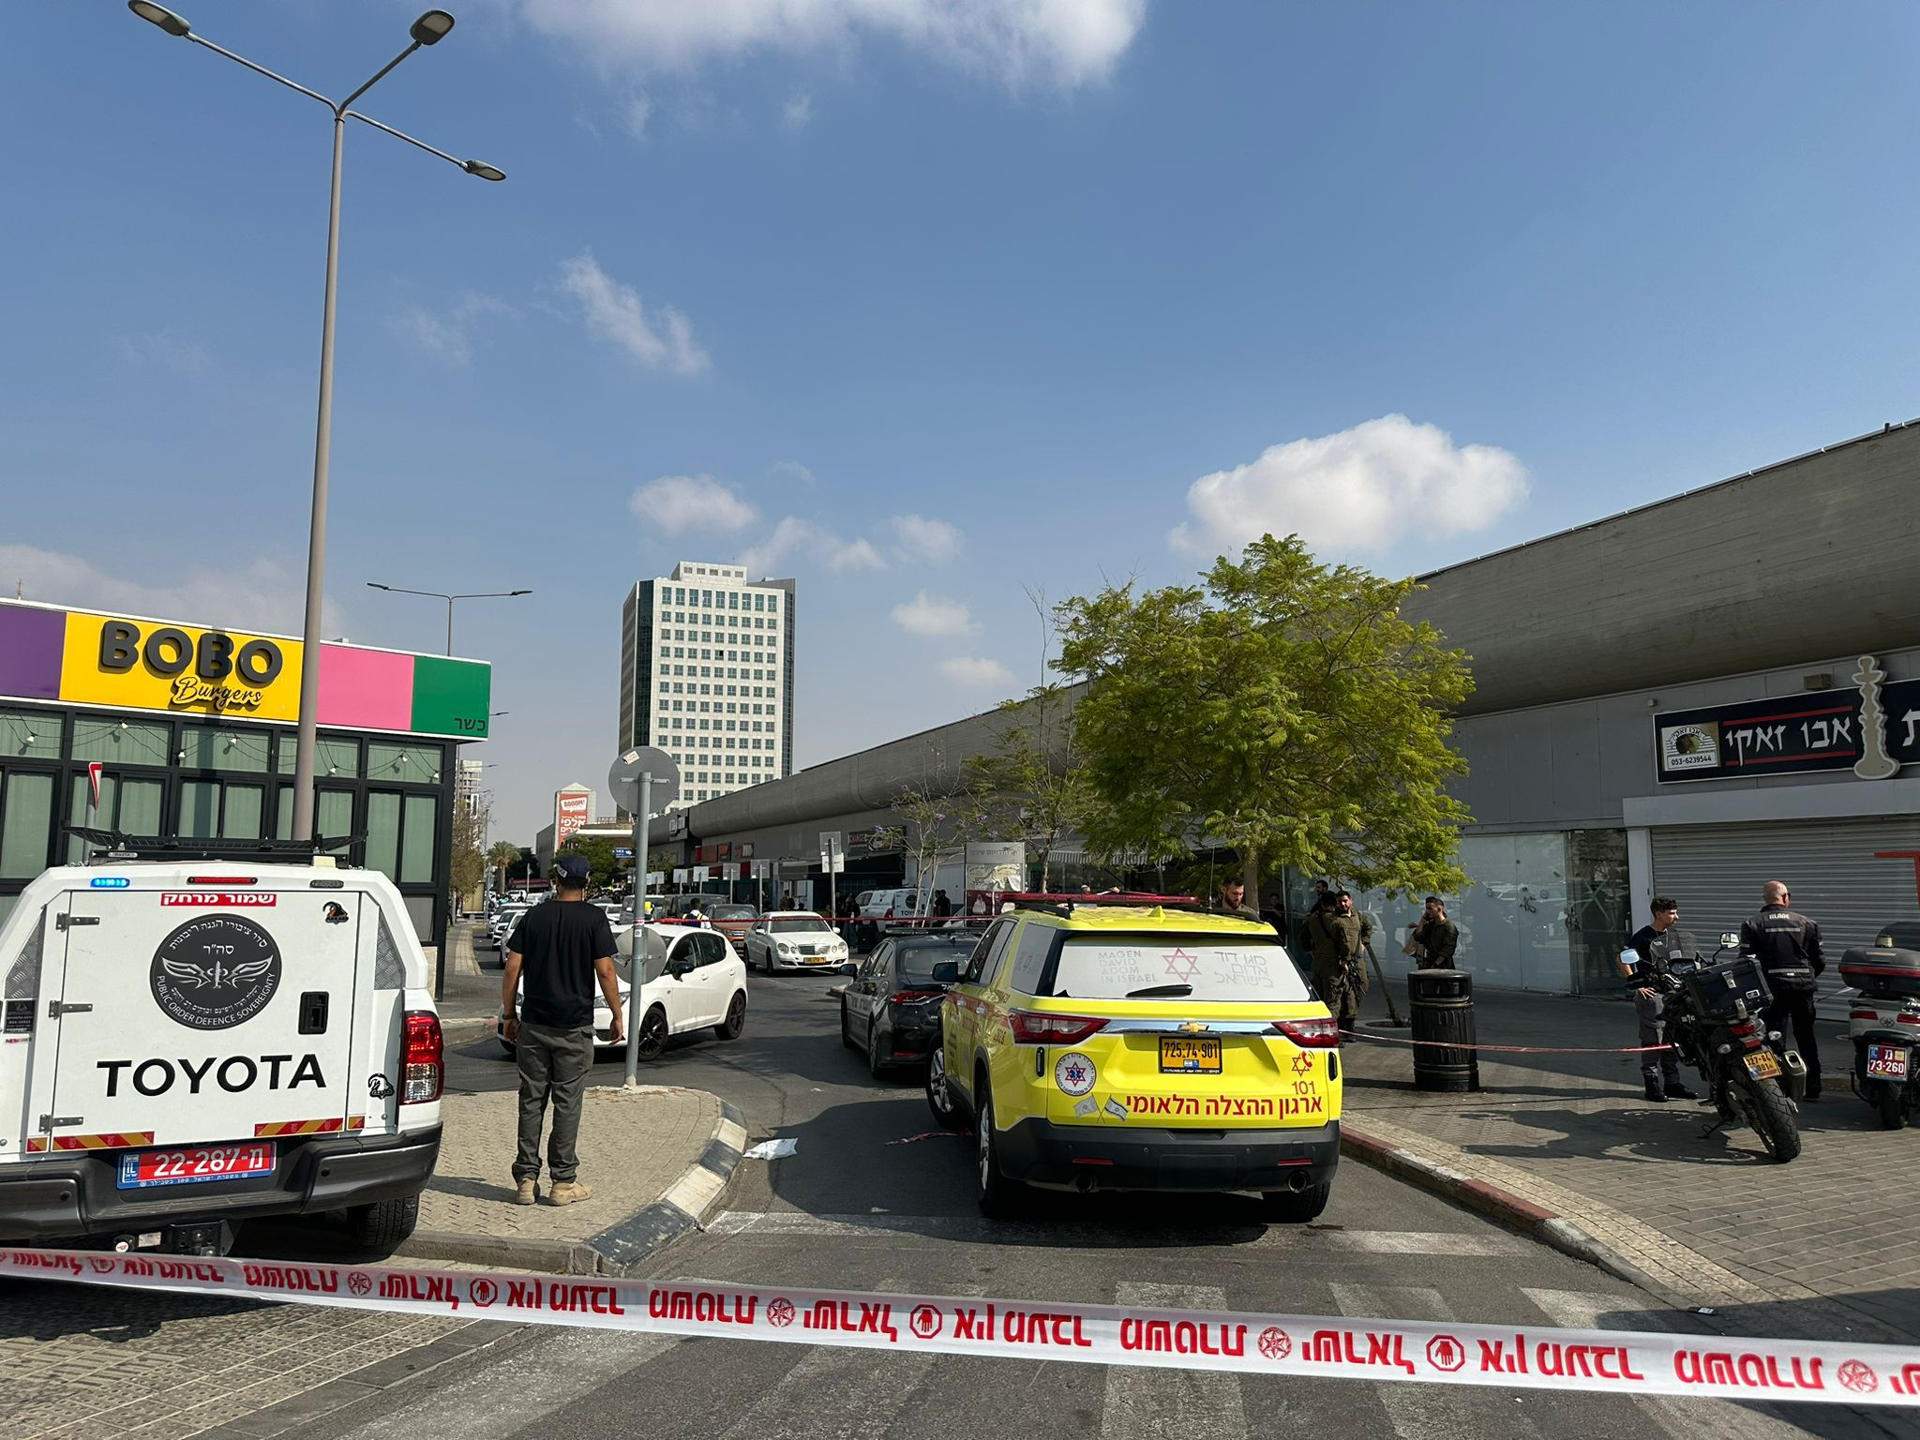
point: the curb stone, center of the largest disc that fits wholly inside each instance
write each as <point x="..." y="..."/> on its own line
<point x="619" y="1248"/>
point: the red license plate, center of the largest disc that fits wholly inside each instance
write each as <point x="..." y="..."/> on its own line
<point x="194" y="1165"/>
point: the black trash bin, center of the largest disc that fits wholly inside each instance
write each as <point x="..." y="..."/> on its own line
<point x="1442" y="1006"/>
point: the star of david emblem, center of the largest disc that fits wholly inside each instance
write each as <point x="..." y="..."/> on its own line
<point x="1075" y="1072"/>
<point x="1302" y="1064"/>
<point x="1182" y="966"/>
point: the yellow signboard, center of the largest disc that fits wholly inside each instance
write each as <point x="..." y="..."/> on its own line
<point x="147" y="665"/>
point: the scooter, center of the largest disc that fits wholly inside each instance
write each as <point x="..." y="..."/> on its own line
<point x="1884" y="1024"/>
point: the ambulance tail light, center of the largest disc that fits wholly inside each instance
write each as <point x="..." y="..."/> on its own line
<point x="1310" y="1034"/>
<point x="422" y="1058"/>
<point x="1034" y="1027"/>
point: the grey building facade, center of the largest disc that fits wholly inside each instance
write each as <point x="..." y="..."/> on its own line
<point x="1669" y="699"/>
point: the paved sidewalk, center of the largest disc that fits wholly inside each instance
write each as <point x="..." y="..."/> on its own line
<point x="656" y="1159"/>
<point x="1708" y="1218"/>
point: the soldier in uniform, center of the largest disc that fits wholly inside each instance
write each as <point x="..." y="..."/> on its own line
<point x="1339" y="938"/>
<point x="1231" y="899"/>
<point x="1656" y="944"/>
<point x="1787" y="944"/>
<point x="1436" y="935"/>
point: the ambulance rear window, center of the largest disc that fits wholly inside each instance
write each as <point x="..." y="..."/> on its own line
<point x="1237" y="968"/>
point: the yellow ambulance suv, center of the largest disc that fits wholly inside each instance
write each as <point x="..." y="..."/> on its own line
<point x="1139" y="1046"/>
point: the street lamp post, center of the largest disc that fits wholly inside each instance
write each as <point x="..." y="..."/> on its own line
<point x="429" y="29"/>
<point x="441" y="595"/>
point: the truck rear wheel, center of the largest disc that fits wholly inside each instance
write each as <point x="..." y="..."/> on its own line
<point x="384" y="1225"/>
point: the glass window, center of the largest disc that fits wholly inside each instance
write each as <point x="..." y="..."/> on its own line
<point x="130" y="806"/>
<point x="409" y="764"/>
<point x="26" y="822"/>
<point x="26" y="736"/>
<point x="122" y="742"/>
<point x="340" y="758"/>
<point x="199" y="809"/>
<point x="332" y="815"/>
<point x="243" y="812"/>
<point x="1030" y="958"/>
<point x="416" y="834"/>
<point x="212" y="747"/>
<point x="990" y="945"/>
<point x="383" y="832"/>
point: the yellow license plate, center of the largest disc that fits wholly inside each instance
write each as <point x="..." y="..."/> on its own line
<point x="1180" y="1055"/>
<point x="1762" y="1064"/>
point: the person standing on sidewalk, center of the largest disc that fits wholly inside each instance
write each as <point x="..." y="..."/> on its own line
<point x="560" y="948"/>
<point x="1787" y="944"/>
<point x="1436" y="935"/>
<point x="1656" y="944"/>
<point x="1339" y="938"/>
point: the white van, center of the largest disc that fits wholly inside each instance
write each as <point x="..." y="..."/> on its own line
<point x="186" y="1044"/>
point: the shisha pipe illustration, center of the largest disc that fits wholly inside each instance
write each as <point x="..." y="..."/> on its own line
<point x="1874" y="762"/>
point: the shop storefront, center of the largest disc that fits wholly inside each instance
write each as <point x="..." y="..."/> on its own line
<point x="148" y="727"/>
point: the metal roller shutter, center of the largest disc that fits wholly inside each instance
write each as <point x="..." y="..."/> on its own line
<point x="1715" y="873"/>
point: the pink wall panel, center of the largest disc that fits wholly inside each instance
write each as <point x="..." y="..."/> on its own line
<point x="371" y="689"/>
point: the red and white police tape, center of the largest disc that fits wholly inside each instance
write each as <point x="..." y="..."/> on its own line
<point x="1616" y="1362"/>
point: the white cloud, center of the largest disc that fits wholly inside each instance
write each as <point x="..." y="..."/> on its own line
<point x="259" y="595"/>
<point x="165" y="350"/>
<point x="797" y="113"/>
<point x="449" y="336"/>
<point x="794" y="537"/>
<point x="920" y="538"/>
<point x="933" y="615"/>
<point x="1021" y="42"/>
<point x="613" y="312"/>
<point x="971" y="670"/>
<point x="676" y="504"/>
<point x="636" y="114"/>
<point x="790" y="472"/>
<point x="1362" y="489"/>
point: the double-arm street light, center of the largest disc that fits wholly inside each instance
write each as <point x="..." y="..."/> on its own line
<point x="429" y="29"/>
<point x="442" y="595"/>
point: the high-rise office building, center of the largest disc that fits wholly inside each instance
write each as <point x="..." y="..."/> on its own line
<point x="706" y="674"/>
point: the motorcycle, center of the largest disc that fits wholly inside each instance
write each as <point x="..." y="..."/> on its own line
<point x="1884" y="1023"/>
<point x="1715" y="1013"/>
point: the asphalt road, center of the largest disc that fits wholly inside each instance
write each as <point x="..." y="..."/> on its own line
<point x="874" y="1198"/>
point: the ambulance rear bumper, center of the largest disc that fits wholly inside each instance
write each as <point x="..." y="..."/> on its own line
<point x="73" y="1195"/>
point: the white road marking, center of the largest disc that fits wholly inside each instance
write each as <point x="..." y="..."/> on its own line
<point x="1148" y="1404"/>
<point x="968" y="1229"/>
<point x="540" y="1379"/>
<point x="1429" y="1412"/>
<point x="1692" y="1419"/>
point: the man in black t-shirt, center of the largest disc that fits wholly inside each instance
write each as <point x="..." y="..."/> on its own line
<point x="1656" y="944"/>
<point x="557" y="951"/>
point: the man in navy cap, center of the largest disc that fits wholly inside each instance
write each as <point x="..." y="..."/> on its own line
<point x="560" y="948"/>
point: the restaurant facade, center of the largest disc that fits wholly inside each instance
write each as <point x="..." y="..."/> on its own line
<point x="154" y="727"/>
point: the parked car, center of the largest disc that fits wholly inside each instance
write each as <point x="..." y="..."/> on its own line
<point x="691" y="981"/>
<point x="1135" y="1047"/>
<point x="891" y="1008"/>
<point x="502" y="923"/>
<point x="733" y="919"/>
<point x="794" y="940"/>
<point x="131" y="987"/>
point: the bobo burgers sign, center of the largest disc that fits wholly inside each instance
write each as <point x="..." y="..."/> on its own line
<point x="152" y="666"/>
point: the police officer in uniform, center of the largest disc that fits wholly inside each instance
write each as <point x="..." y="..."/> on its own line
<point x="1656" y="945"/>
<point x="1787" y="944"/>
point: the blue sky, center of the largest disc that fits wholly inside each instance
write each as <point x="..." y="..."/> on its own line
<point x="924" y="305"/>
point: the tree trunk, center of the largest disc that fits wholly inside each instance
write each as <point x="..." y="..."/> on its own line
<point x="1250" y="870"/>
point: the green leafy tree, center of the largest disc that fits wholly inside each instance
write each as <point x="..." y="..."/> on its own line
<point x="467" y="866"/>
<point x="1284" y="708"/>
<point x="597" y="850"/>
<point x="501" y="858"/>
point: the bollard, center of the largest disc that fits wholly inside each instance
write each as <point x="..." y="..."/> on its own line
<point x="1442" y="1006"/>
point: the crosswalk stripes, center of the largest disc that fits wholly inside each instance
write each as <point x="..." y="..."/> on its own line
<point x="1696" y="1419"/>
<point x="1428" y="1412"/>
<point x="1146" y="1404"/>
<point x="848" y="1394"/>
<point x="970" y="1229"/>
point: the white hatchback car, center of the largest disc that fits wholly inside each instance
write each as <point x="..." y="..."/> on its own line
<point x="691" y="981"/>
<point x="794" y="940"/>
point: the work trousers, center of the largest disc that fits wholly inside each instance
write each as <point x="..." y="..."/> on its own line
<point x="1793" y="1010"/>
<point x="1662" y="1068"/>
<point x="553" y="1069"/>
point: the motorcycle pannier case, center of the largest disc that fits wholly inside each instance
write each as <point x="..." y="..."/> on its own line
<point x="1717" y="991"/>
<point x="1888" y="974"/>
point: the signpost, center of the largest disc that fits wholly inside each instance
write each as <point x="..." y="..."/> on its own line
<point x="638" y="778"/>
<point x="833" y="860"/>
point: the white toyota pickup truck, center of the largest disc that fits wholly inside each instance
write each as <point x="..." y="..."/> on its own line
<point x="186" y="1044"/>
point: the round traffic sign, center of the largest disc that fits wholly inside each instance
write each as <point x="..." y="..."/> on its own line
<point x="623" y="779"/>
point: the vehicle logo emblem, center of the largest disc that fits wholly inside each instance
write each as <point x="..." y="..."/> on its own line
<point x="215" y="972"/>
<point x="1074" y="1073"/>
<point x="1194" y="1027"/>
<point x="1302" y="1063"/>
